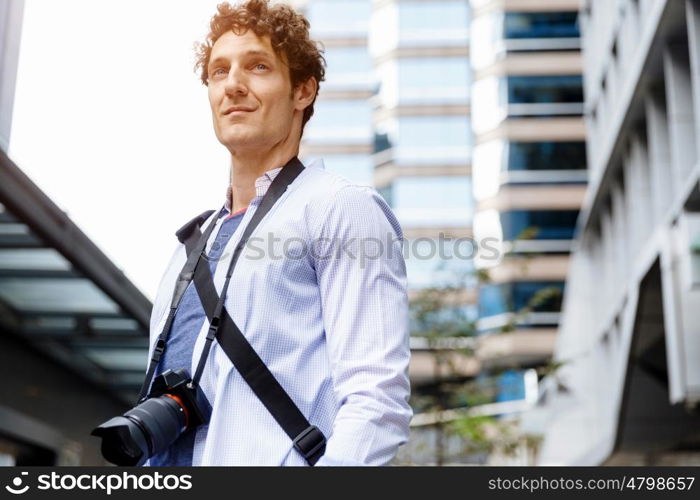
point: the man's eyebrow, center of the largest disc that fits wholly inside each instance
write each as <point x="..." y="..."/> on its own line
<point x="247" y="53"/>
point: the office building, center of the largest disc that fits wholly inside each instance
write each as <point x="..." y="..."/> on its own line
<point x="629" y="343"/>
<point x="529" y="169"/>
<point x="340" y="130"/>
<point x="422" y="148"/>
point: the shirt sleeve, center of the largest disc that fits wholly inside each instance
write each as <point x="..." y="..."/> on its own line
<point x="362" y="280"/>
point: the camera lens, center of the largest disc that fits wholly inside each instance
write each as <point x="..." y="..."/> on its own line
<point x="143" y="431"/>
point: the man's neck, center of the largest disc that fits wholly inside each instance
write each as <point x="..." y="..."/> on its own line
<point x="245" y="169"/>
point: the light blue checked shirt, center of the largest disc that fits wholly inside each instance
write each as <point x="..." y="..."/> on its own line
<point x="320" y="293"/>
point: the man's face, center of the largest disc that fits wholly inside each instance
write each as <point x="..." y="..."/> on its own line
<point x="250" y="92"/>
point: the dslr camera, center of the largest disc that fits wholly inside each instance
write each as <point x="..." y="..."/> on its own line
<point x="173" y="406"/>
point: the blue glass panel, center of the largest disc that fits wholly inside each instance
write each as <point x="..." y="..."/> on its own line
<point x="524" y="291"/>
<point x="430" y="201"/>
<point x="432" y="192"/>
<point x="511" y="386"/>
<point x="434" y="131"/>
<point x="341" y="114"/>
<point x="339" y="17"/>
<point x="433" y="72"/>
<point x="549" y="224"/>
<point x="439" y="262"/>
<point x="344" y="60"/>
<point x="541" y="25"/>
<point x="444" y="15"/>
<point x="336" y="121"/>
<point x="495" y="299"/>
<point x="546" y="156"/>
<point x="358" y="168"/>
<point x="545" y="89"/>
<point x="426" y="139"/>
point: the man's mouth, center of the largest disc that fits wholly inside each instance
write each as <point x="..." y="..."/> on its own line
<point x="238" y="110"/>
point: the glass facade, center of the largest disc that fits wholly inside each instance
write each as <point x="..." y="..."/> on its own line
<point x="545" y="89"/>
<point x="518" y="25"/>
<point x="431" y="201"/>
<point x="426" y="139"/>
<point x="439" y="262"/>
<point x="539" y="224"/>
<point x="511" y="386"/>
<point x="356" y="167"/>
<point x="454" y="320"/>
<point x="438" y="23"/>
<point x="340" y="121"/>
<point x="347" y="68"/>
<point x="421" y="21"/>
<point x="493" y="387"/>
<point x="338" y="18"/>
<point x="424" y="80"/>
<point x="495" y="99"/>
<point x="434" y="77"/>
<point x="498" y="33"/>
<point x="497" y="162"/>
<point x="546" y="156"/>
<point x="495" y="299"/>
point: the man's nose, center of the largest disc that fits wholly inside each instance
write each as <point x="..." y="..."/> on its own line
<point x="235" y="82"/>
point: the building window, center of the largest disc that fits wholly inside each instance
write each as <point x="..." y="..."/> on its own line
<point x="356" y="167"/>
<point x="433" y="262"/>
<point x="542" y="296"/>
<point x="410" y="24"/>
<point x="339" y="18"/>
<point x="511" y="386"/>
<point x="340" y="121"/>
<point x="518" y="25"/>
<point x="429" y="201"/>
<point x="424" y="21"/>
<point x="545" y="89"/>
<point x="424" y="80"/>
<point x="450" y="321"/>
<point x="348" y="67"/>
<point x="547" y="156"/>
<point x="442" y="79"/>
<point x="426" y="139"/>
<point x="539" y="224"/>
<point x="494" y="386"/>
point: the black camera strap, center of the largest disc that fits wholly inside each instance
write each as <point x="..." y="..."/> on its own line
<point x="307" y="438"/>
<point x="193" y="252"/>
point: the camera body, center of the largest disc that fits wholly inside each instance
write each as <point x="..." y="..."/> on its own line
<point x="178" y="384"/>
<point x="173" y="405"/>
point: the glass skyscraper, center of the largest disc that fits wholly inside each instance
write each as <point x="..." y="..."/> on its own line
<point x="529" y="163"/>
<point x="629" y="340"/>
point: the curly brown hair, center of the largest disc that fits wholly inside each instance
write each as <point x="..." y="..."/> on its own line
<point x="289" y="34"/>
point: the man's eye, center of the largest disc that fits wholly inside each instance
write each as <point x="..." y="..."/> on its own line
<point x="219" y="72"/>
<point x="261" y="66"/>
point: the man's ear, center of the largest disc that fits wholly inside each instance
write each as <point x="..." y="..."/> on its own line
<point x="305" y="93"/>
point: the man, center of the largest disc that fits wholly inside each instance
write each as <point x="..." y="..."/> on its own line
<point x="320" y="295"/>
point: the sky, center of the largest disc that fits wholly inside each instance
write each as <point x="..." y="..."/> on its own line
<point x="112" y="123"/>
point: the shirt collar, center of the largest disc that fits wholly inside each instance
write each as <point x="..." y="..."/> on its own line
<point x="262" y="184"/>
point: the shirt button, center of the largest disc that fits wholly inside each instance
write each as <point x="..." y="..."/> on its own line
<point x="215" y="246"/>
